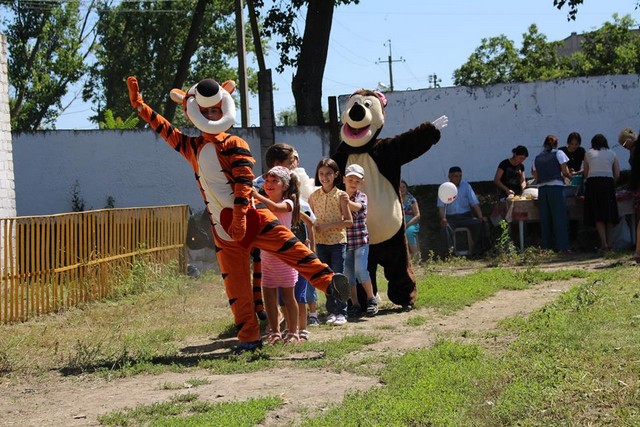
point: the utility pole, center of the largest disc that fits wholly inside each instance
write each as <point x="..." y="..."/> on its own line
<point x="265" y="90"/>
<point x="434" y="81"/>
<point x="242" y="66"/>
<point x="390" y="61"/>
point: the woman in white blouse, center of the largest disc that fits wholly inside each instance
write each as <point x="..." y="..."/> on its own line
<point x="602" y="170"/>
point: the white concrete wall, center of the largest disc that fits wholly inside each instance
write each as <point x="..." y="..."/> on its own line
<point x="7" y="191"/>
<point x="137" y="168"/>
<point x="485" y="123"/>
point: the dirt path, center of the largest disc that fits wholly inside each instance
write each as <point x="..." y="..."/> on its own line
<point x="77" y="401"/>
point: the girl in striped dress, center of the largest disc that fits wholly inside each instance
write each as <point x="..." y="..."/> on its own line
<point x="283" y="199"/>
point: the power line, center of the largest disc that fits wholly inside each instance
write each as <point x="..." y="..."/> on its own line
<point x="335" y="44"/>
<point x="390" y="61"/>
<point x="349" y="29"/>
<point x="45" y="5"/>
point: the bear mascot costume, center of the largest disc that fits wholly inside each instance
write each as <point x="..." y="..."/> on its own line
<point x="223" y="168"/>
<point x="382" y="160"/>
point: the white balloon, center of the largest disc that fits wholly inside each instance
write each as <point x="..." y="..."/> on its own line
<point x="447" y="192"/>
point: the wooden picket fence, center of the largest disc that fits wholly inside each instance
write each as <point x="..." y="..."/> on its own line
<point x="53" y="262"/>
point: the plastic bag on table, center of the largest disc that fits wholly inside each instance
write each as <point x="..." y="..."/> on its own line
<point x="509" y="215"/>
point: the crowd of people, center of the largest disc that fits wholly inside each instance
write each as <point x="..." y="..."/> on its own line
<point x="597" y="169"/>
<point x="592" y="173"/>
<point x="330" y="221"/>
<point x="303" y="234"/>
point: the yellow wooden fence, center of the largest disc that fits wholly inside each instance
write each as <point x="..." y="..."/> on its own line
<point x="56" y="261"/>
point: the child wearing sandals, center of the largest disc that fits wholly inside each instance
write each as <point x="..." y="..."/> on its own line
<point x="282" y="154"/>
<point x="282" y="198"/>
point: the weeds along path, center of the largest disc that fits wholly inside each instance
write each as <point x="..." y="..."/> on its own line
<point x="78" y="401"/>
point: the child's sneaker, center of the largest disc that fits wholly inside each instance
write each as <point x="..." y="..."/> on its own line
<point x="251" y="346"/>
<point x="341" y="319"/>
<point x="304" y="335"/>
<point x="372" y="307"/>
<point x="340" y="288"/>
<point x="330" y="319"/>
<point x="313" y="321"/>
<point x="354" y="312"/>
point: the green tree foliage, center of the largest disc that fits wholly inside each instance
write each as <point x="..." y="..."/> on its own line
<point x="288" y="117"/>
<point x="149" y="40"/>
<point x="306" y="52"/>
<point x="538" y="59"/>
<point x="47" y="44"/>
<point x="492" y="62"/>
<point x="573" y="5"/>
<point x="612" y="49"/>
<point x="111" y="122"/>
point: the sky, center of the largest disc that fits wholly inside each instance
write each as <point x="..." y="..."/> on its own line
<point x="423" y="37"/>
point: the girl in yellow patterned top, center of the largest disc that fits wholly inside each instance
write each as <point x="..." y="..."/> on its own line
<point x="331" y="207"/>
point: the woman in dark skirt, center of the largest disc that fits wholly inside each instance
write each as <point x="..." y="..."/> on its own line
<point x="602" y="170"/>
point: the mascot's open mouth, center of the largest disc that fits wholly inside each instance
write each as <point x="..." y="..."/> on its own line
<point x="352" y="132"/>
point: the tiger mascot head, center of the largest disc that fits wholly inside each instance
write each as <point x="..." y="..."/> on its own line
<point x="208" y="105"/>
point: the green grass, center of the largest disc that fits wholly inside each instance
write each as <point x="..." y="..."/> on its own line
<point x="144" y="332"/>
<point x="416" y="320"/>
<point x="431" y="387"/>
<point x="578" y="358"/>
<point x="574" y="363"/>
<point x="186" y="410"/>
<point x="123" y="335"/>
<point x="448" y="293"/>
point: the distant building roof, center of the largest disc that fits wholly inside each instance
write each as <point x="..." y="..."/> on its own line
<point x="572" y="43"/>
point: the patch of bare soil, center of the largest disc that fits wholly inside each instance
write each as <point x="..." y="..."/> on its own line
<point x="78" y="400"/>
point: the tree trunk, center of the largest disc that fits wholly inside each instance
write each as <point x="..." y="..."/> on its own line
<point x="190" y="46"/>
<point x="307" y="82"/>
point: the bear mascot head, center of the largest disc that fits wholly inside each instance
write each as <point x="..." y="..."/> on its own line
<point x="363" y="118"/>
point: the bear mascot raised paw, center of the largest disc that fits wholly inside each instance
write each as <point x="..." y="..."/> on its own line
<point x="382" y="160"/>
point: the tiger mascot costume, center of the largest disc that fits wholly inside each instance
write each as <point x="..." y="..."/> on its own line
<point x="223" y="168"/>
